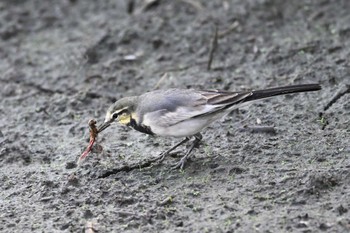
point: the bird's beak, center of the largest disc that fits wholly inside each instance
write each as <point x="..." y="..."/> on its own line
<point x="104" y="126"/>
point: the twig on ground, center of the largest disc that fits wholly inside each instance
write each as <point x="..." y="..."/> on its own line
<point x="148" y="4"/>
<point x="161" y="80"/>
<point x="166" y="201"/>
<point x="213" y="46"/>
<point x="227" y="31"/>
<point x="344" y="90"/>
<point x="130" y="6"/>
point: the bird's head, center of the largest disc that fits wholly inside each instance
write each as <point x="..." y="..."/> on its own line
<point x="122" y="111"/>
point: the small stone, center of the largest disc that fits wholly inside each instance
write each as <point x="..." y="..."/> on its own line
<point x="324" y="226"/>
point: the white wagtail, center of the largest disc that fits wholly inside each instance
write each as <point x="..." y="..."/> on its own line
<point x="185" y="112"/>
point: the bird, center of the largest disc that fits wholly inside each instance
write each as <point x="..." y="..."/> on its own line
<point x="184" y="113"/>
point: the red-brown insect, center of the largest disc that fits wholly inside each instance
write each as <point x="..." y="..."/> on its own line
<point x="93" y="136"/>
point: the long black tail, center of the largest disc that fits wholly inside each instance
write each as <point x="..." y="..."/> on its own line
<point x="260" y="94"/>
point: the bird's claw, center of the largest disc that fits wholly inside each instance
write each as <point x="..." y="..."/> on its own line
<point x="179" y="165"/>
<point x="162" y="156"/>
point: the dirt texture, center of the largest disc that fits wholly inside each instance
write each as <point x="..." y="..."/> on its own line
<point x="64" y="62"/>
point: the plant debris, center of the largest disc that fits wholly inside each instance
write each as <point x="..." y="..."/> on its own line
<point x="93" y="136"/>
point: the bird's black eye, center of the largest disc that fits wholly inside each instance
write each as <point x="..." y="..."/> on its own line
<point x="124" y="112"/>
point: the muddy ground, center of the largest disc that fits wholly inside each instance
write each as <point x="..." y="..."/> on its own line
<point x="64" y="62"/>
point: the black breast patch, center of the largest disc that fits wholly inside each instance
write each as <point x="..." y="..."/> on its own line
<point x="140" y="128"/>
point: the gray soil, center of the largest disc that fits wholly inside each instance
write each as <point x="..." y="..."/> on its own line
<point x="64" y="62"/>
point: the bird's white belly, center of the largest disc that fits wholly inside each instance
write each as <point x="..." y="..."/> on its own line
<point x="182" y="129"/>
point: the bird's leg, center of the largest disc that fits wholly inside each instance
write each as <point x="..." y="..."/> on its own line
<point x="197" y="138"/>
<point x="165" y="153"/>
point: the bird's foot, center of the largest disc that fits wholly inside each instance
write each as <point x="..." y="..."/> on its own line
<point x="162" y="157"/>
<point x="165" y="153"/>
<point x="159" y="159"/>
<point x="181" y="164"/>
